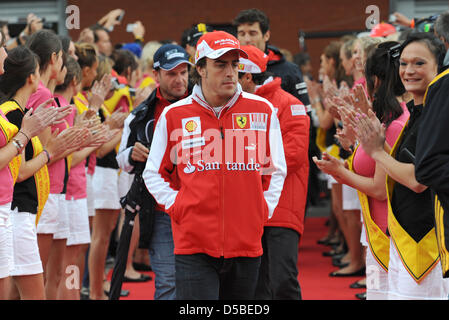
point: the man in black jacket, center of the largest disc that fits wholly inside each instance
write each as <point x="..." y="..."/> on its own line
<point x="432" y="158"/>
<point x="171" y="67"/>
<point x="253" y="28"/>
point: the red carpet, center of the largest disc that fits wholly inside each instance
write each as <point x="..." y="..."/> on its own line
<point x="314" y="268"/>
<point x="314" y="271"/>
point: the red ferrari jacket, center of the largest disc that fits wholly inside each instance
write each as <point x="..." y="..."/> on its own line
<point x="295" y="135"/>
<point x="230" y="167"/>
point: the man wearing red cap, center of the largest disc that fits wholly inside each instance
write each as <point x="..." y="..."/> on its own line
<point x="278" y="272"/>
<point x="225" y="148"/>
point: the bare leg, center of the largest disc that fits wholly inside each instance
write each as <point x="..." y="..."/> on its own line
<point x="354" y="227"/>
<point x="4" y="286"/>
<point x="337" y="208"/>
<point x="54" y="268"/>
<point x="44" y="242"/>
<point x="70" y="285"/>
<point x="130" y="272"/>
<point x="30" y="287"/>
<point x="103" y="223"/>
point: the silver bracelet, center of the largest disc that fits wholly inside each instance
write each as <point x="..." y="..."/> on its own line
<point x="18" y="145"/>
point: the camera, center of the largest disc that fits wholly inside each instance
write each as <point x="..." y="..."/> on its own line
<point x="426" y="24"/>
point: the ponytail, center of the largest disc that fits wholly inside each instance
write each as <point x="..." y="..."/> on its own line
<point x="383" y="63"/>
<point x="19" y="65"/>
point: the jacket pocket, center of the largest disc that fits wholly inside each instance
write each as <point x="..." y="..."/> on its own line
<point x="177" y="207"/>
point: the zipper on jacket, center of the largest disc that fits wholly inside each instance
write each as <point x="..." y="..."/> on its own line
<point x="220" y="123"/>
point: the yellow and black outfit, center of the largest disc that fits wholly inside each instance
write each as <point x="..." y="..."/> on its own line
<point x="432" y="158"/>
<point x="31" y="194"/>
<point x="410" y="215"/>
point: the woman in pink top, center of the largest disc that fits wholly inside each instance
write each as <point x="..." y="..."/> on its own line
<point x="17" y="84"/>
<point x="52" y="228"/>
<point x="385" y="86"/>
<point x="12" y="142"/>
<point x="76" y="195"/>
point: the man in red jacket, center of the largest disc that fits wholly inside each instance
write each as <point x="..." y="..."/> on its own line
<point x="278" y="272"/>
<point x="225" y="149"/>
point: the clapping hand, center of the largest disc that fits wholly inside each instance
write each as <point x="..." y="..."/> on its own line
<point x="329" y="165"/>
<point x="36" y="120"/>
<point x="116" y="119"/>
<point x="361" y="100"/>
<point x="370" y="132"/>
<point x="99" y="91"/>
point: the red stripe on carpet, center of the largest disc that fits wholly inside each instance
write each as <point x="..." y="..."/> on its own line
<point x="314" y="269"/>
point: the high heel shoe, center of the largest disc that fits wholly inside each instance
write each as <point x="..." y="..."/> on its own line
<point x="361" y="296"/>
<point x="357" y="285"/>
<point x="339" y="263"/>
<point x="357" y="273"/>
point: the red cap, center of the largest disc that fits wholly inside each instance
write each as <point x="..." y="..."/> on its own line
<point x="255" y="63"/>
<point x="215" y="44"/>
<point x="382" y="30"/>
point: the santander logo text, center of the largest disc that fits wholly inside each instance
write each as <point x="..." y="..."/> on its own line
<point x="230" y="166"/>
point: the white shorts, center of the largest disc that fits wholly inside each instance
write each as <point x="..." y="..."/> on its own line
<point x="330" y="181"/>
<point x="48" y="222"/>
<point x="78" y="222"/>
<point x="27" y="260"/>
<point x="6" y="242"/>
<point x="350" y="198"/>
<point x="376" y="279"/>
<point x="105" y="185"/>
<point x="124" y="183"/>
<point x="90" y="195"/>
<point x="403" y="287"/>
<point x="62" y="231"/>
<point x="363" y="240"/>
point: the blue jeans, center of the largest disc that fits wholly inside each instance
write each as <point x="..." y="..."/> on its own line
<point x="202" y="277"/>
<point x="162" y="257"/>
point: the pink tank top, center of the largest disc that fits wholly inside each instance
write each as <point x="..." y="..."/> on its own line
<point x="7" y="182"/>
<point x="56" y="170"/>
<point x="365" y="166"/>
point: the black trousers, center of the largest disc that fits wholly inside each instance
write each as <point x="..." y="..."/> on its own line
<point x="278" y="273"/>
<point x="202" y="277"/>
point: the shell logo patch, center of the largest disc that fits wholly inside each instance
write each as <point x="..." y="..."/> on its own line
<point x="191" y="126"/>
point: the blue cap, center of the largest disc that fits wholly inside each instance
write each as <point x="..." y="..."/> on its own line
<point x="169" y="56"/>
<point x="134" y="48"/>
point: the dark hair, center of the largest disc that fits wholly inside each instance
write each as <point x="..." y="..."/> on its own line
<point x="86" y="54"/>
<point x="435" y="45"/>
<point x="383" y="63"/>
<point x="2" y="43"/>
<point x="73" y="72"/>
<point x="332" y="51"/>
<point x="19" y="65"/>
<point x="251" y="16"/>
<point x="347" y="47"/>
<point x="44" y="43"/>
<point x="122" y="60"/>
<point x="195" y="77"/>
<point x="65" y="42"/>
<point x="258" y="78"/>
<point x="95" y="28"/>
<point x="301" y="58"/>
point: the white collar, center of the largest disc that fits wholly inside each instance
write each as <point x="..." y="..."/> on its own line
<point x="197" y="95"/>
